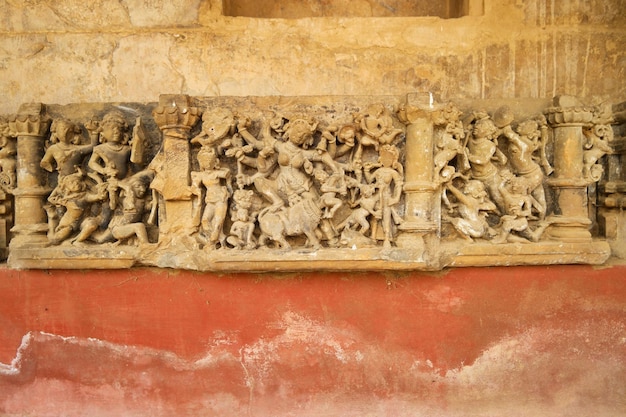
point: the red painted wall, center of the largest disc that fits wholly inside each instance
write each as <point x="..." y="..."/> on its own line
<point x="541" y="341"/>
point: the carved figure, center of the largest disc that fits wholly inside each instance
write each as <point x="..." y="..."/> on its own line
<point x="216" y="125"/>
<point x="265" y="161"/>
<point x="293" y="182"/>
<point x="521" y="147"/>
<point x="111" y="158"/>
<point x="73" y="194"/>
<point x="366" y="207"/>
<point x="473" y="206"/>
<point x="212" y="182"/>
<point x="376" y="128"/>
<point x="330" y="185"/>
<point x="388" y="182"/>
<point x="481" y="152"/>
<point x="242" y="229"/>
<point x="596" y="145"/>
<point x="338" y="141"/>
<point x="127" y="221"/>
<point x="8" y="154"/>
<point x="449" y="143"/>
<point x="65" y="153"/>
<point x="519" y="203"/>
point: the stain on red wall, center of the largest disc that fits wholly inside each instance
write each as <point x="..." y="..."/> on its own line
<point x="541" y="341"/>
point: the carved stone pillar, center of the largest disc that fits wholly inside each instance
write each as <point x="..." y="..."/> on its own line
<point x="30" y="126"/>
<point x="420" y="191"/>
<point x="567" y="118"/>
<point x="175" y="117"/>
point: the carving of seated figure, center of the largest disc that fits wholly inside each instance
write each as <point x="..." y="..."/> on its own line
<point x="65" y="154"/>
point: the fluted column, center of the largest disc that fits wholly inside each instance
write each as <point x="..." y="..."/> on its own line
<point x="420" y="191"/>
<point x="567" y="119"/>
<point x="30" y="125"/>
<point x="175" y="117"/>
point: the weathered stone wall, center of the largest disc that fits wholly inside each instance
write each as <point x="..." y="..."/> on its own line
<point x="133" y="50"/>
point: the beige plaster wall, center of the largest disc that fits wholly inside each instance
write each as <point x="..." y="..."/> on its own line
<point x="63" y="51"/>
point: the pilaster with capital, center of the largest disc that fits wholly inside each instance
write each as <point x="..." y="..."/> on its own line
<point x="420" y="190"/>
<point x="567" y="118"/>
<point x="175" y="117"/>
<point x="30" y="125"/>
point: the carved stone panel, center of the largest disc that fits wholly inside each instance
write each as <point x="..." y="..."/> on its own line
<point x="307" y="183"/>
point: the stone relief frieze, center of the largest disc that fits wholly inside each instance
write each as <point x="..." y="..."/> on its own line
<point x="276" y="183"/>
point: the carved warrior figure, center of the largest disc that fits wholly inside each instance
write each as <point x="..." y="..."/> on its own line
<point x="86" y="206"/>
<point x="519" y="203"/>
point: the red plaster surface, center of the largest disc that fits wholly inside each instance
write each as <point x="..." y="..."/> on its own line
<point x="540" y="341"/>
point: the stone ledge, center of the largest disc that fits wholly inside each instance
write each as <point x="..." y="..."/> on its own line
<point x="326" y="259"/>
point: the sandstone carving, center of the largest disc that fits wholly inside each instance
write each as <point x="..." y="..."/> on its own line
<point x="266" y="184"/>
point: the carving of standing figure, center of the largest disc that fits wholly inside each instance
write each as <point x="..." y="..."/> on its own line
<point x="521" y="148"/>
<point x="473" y="207"/>
<point x="65" y="154"/>
<point x="388" y="181"/>
<point x="214" y="183"/>
<point x="481" y="152"/>
<point x="110" y="159"/>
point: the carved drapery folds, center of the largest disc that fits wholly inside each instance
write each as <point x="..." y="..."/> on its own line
<point x="261" y="184"/>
